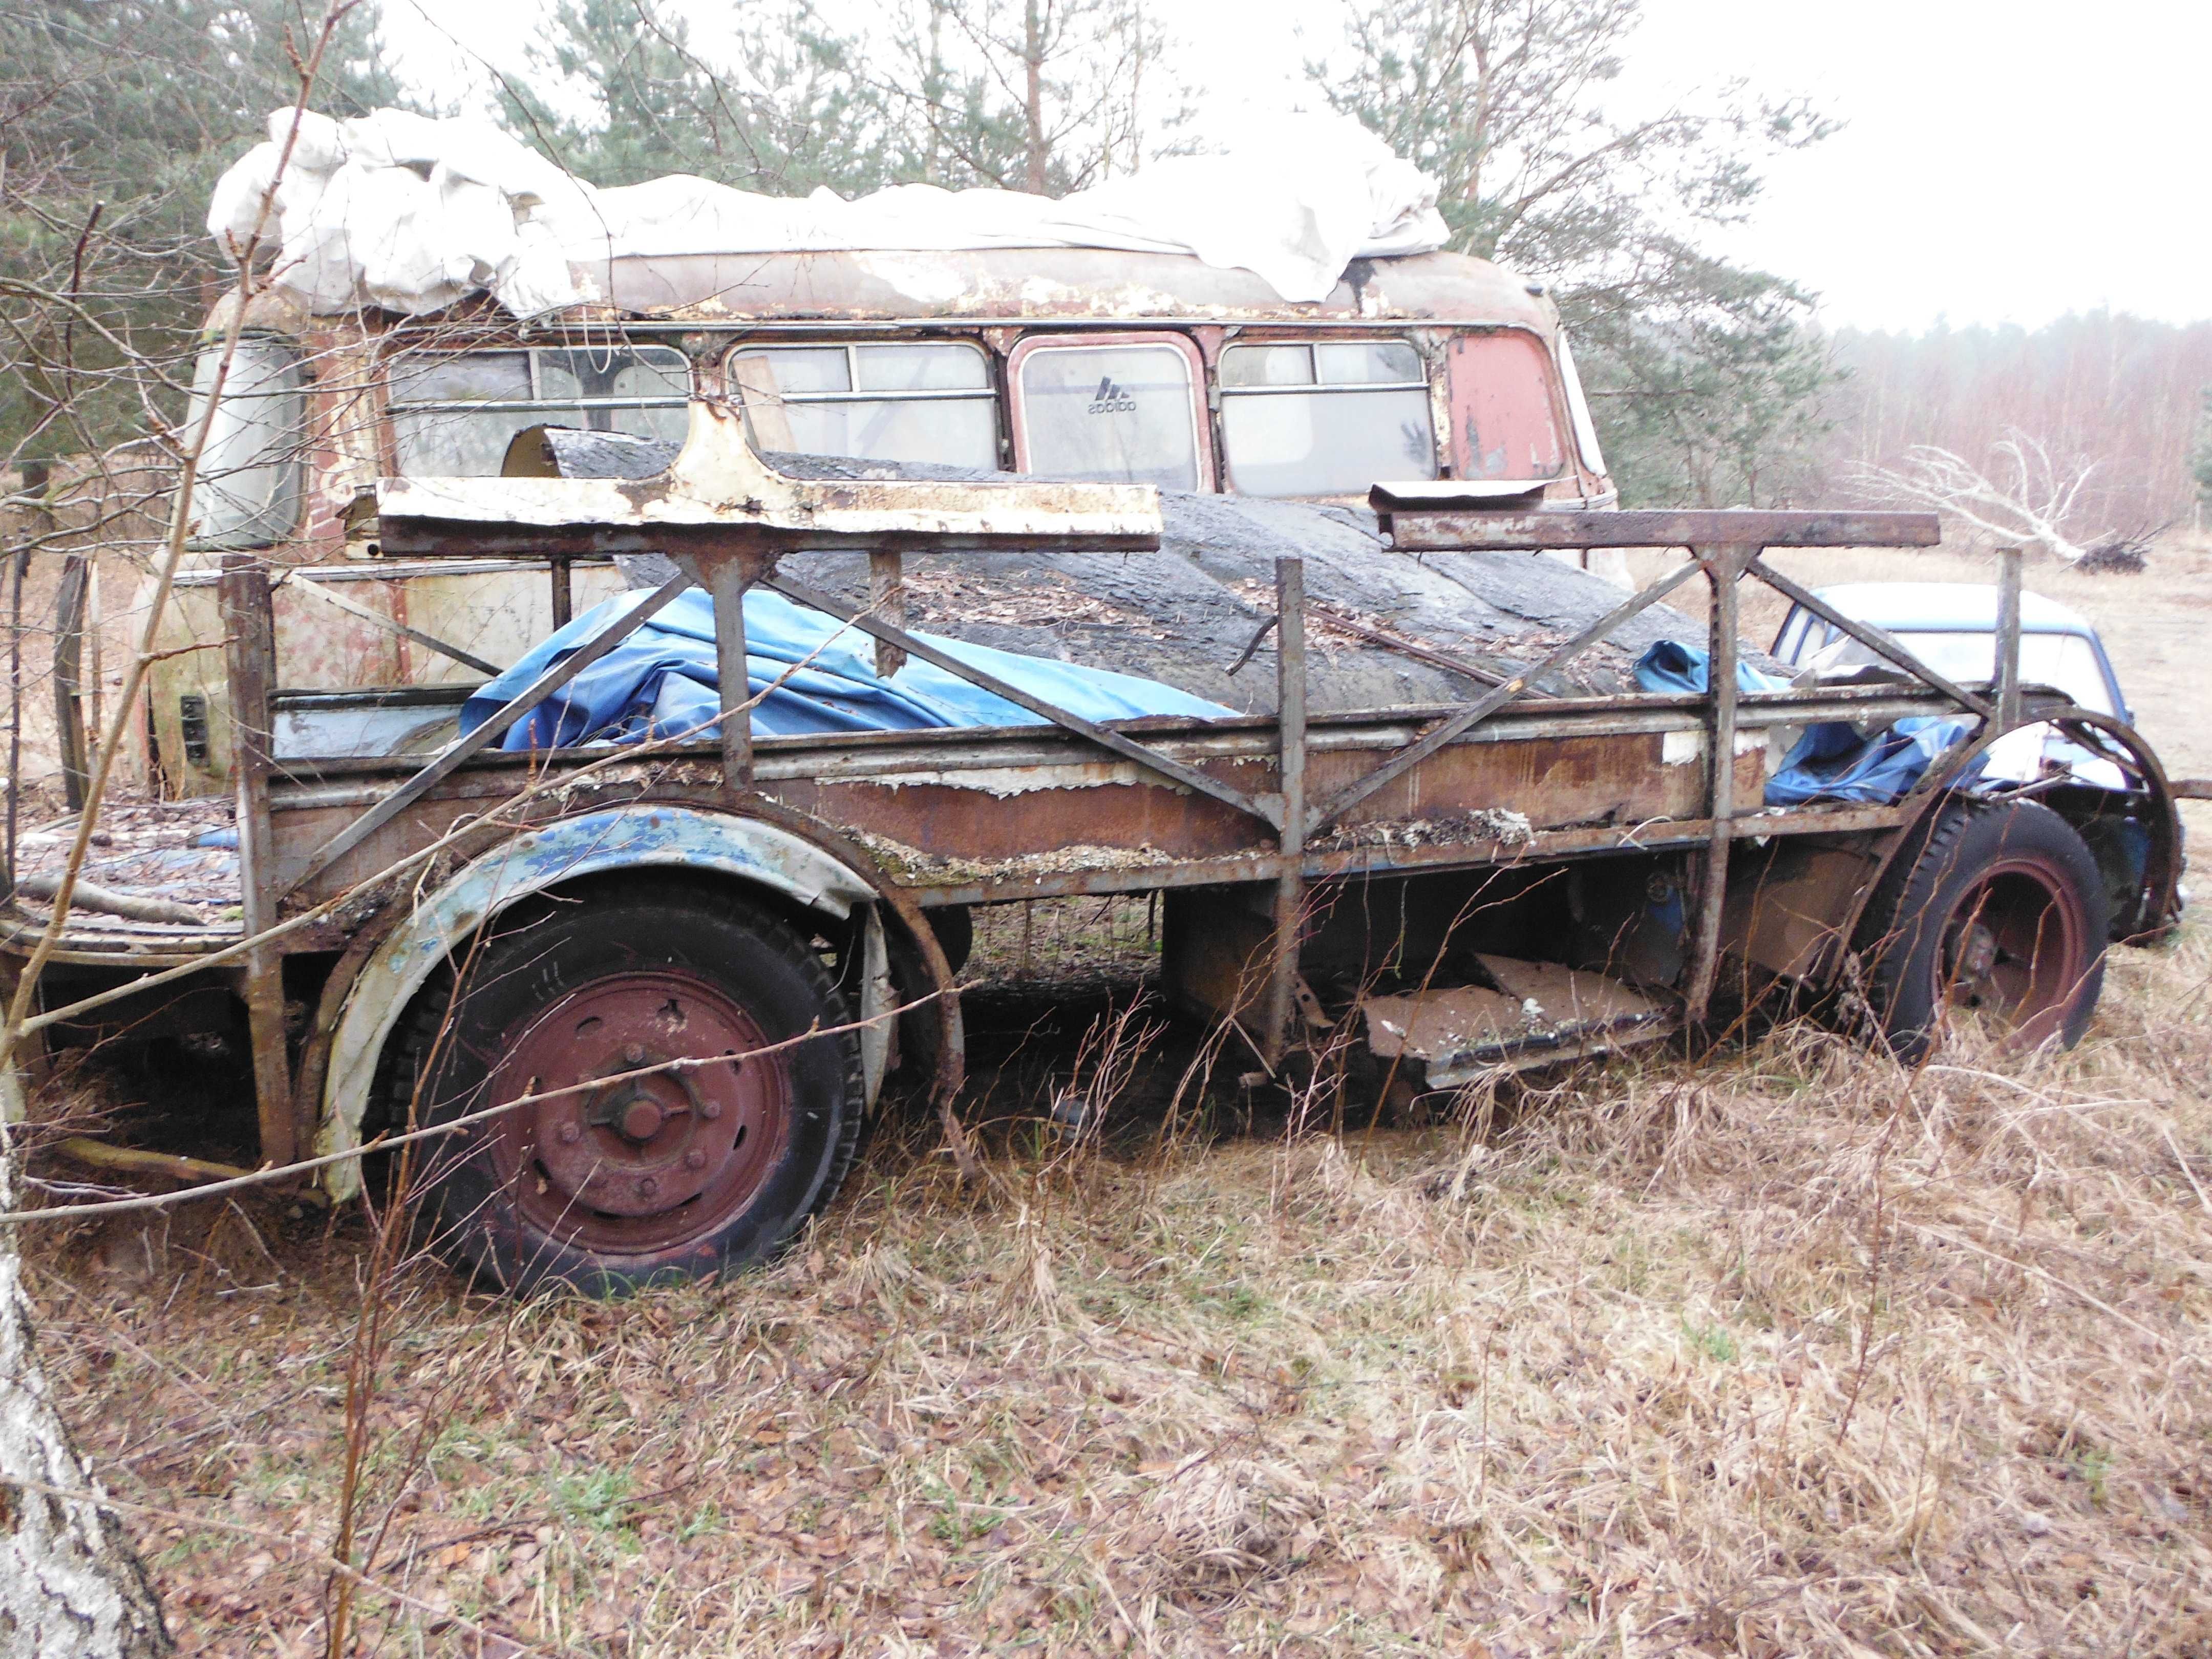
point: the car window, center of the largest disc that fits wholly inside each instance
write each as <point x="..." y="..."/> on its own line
<point x="1330" y="418"/>
<point x="455" y="413"/>
<point x="247" y="493"/>
<point x="1790" y="645"/>
<point x="2067" y="661"/>
<point x="1109" y="414"/>
<point x="1503" y="422"/>
<point x="927" y="401"/>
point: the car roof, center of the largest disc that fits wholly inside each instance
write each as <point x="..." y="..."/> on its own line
<point x="1935" y="605"/>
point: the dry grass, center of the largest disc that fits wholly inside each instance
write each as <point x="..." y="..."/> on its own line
<point x="1789" y="1353"/>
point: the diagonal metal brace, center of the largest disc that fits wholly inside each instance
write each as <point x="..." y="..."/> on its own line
<point x="1874" y="638"/>
<point x="308" y="583"/>
<point x="450" y="757"/>
<point x="1105" y="737"/>
<point x="1491" y="701"/>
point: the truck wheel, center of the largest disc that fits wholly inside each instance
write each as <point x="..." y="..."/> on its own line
<point x="2002" y="914"/>
<point x="676" y="1174"/>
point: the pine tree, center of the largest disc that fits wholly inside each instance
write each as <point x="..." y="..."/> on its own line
<point x="617" y="94"/>
<point x="1705" y="375"/>
<point x="116" y="119"/>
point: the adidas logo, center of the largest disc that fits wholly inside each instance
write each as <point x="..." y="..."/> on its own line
<point x="1111" y="399"/>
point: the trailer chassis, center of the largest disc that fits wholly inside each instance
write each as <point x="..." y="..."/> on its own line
<point x="341" y="858"/>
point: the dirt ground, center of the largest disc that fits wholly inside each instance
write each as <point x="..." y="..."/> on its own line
<point x="1788" y="1351"/>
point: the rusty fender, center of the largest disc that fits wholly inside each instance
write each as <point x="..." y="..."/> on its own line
<point x="618" y="838"/>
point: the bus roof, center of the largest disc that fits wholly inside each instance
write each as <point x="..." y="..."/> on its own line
<point x="1089" y="286"/>
<point x="1027" y="287"/>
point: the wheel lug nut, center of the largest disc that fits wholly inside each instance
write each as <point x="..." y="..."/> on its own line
<point x="694" y="1159"/>
<point x="634" y="1053"/>
<point x="571" y="1134"/>
<point x="710" y="1109"/>
<point x="648" y="1187"/>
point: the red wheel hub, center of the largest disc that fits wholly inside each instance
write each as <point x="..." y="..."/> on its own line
<point x="2018" y="947"/>
<point x="662" y="1129"/>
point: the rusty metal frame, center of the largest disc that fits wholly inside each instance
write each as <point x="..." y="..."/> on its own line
<point x="1451" y="730"/>
<point x="727" y="535"/>
<point x="1726" y="545"/>
<point x="1104" y="736"/>
<point x="249" y="651"/>
<point x="448" y="759"/>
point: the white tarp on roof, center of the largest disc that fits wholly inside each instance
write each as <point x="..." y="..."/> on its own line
<point x="411" y="214"/>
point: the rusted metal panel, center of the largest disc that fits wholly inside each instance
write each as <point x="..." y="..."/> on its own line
<point x="1790" y="914"/>
<point x="963" y="809"/>
<point x="1413" y="754"/>
<point x="1421" y="525"/>
<point x="1217" y="946"/>
<point x="1047" y="286"/>
<point x="1534" y="1012"/>
<point x="719" y="487"/>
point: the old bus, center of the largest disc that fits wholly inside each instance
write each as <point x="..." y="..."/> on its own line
<point x="1075" y="363"/>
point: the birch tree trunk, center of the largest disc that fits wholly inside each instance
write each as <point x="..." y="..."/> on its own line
<point x="71" y="1586"/>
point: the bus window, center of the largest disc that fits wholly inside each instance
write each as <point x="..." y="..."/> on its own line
<point x="930" y="400"/>
<point x="1110" y="412"/>
<point x="247" y="493"/>
<point x="1502" y="423"/>
<point x="1328" y="418"/>
<point x="454" y="413"/>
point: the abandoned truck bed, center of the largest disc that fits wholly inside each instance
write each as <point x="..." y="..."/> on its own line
<point x="644" y="995"/>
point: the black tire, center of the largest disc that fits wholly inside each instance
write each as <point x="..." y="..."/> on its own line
<point x="667" y="1174"/>
<point x="2001" y="912"/>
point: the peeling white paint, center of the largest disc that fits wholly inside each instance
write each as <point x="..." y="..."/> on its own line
<point x="1682" y="748"/>
<point x="928" y="279"/>
<point x="1002" y="782"/>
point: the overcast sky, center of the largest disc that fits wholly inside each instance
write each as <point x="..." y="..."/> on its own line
<point x="2000" y="160"/>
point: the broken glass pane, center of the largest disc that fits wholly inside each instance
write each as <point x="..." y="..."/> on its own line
<point x="247" y="493"/>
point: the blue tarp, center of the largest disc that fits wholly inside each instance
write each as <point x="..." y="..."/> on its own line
<point x="661" y="682"/>
<point x="1831" y="761"/>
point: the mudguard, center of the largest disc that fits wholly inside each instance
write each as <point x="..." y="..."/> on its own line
<point x="618" y="838"/>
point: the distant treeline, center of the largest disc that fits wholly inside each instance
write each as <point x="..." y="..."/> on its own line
<point x="2120" y="391"/>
